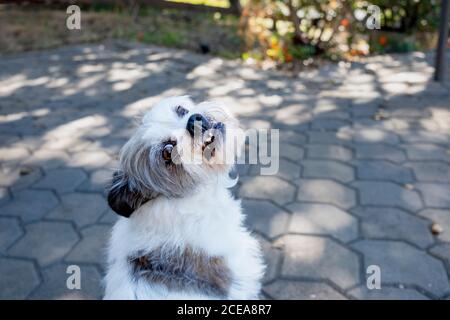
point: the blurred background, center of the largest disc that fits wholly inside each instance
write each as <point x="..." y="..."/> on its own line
<point x="364" y="166"/>
<point x="255" y="30"/>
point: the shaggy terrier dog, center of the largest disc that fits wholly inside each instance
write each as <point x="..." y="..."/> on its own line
<point x="181" y="234"/>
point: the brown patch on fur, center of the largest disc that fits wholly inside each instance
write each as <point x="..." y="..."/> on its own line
<point x="184" y="269"/>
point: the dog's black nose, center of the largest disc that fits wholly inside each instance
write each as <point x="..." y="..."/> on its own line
<point x="197" y="120"/>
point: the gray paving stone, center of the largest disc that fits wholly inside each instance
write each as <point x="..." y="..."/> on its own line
<point x="328" y="152"/>
<point x="92" y="247"/>
<point x="441" y="217"/>
<point x="272" y="259"/>
<point x="393" y="224"/>
<point x="21" y="278"/>
<point x="429" y="171"/>
<point x="4" y="196"/>
<point x="54" y="284"/>
<point x="325" y="191"/>
<point x="30" y="205"/>
<point x="426" y="152"/>
<point x="301" y="290"/>
<point x="267" y="187"/>
<point x="322" y="219"/>
<point x="10" y="231"/>
<point x="265" y="217"/>
<point x="89" y="160"/>
<point x="375" y="135"/>
<point x="329" y="124"/>
<point x="81" y="208"/>
<point x="379" y="152"/>
<point x="291" y="152"/>
<point x="328" y="138"/>
<point x="47" y="242"/>
<point x="386" y="293"/>
<point x="19" y="178"/>
<point x="327" y="169"/>
<point x="62" y="180"/>
<point x="435" y="195"/>
<point x="401" y="263"/>
<point x="387" y="194"/>
<point x="13" y="154"/>
<point x="442" y="251"/>
<point x="383" y="170"/>
<point x="109" y="217"/>
<point x="319" y="258"/>
<point x="47" y="159"/>
<point x="287" y="170"/>
<point x="98" y="181"/>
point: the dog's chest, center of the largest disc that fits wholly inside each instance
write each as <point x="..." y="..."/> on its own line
<point x="183" y="269"/>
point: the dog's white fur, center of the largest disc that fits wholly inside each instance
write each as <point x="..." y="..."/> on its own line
<point x="208" y="219"/>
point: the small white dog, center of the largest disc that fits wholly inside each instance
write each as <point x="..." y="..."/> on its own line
<point x="181" y="234"/>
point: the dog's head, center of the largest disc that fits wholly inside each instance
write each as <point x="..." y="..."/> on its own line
<point x="178" y="146"/>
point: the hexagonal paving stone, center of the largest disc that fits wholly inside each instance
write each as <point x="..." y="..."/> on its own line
<point x="54" y="284"/>
<point x="81" y="208"/>
<point x="441" y="217"/>
<point x="272" y="258"/>
<point x="4" y="196"/>
<point x="386" y="293"/>
<point x="21" y="278"/>
<point x="92" y="248"/>
<point x="62" y="180"/>
<point x="30" y="205"/>
<point x="98" y="181"/>
<point x="322" y="219"/>
<point x="426" y="152"/>
<point x="379" y="152"/>
<point x="401" y="263"/>
<point x="13" y="154"/>
<point x="10" y="231"/>
<point x="89" y="160"/>
<point x="264" y="217"/>
<point x="47" y="242"/>
<point x="47" y="159"/>
<point x="327" y="169"/>
<point x="387" y="194"/>
<point x="394" y="224"/>
<point x="286" y="169"/>
<point x="431" y="171"/>
<point x="267" y="187"/>
<point x="442" y="251"/>
<point x="109" y="217"/>
<point x="19" y="178"/>
<point x="291" y="152"/>
<point x="328" y="152"/>
<point x="325" y="191"/>
<point x="383" y="170"/>
<point x="319" y="258"/>
<point x="435" y="195"/>
<point x="300" y="290"/>
<point x="375" y="135"/>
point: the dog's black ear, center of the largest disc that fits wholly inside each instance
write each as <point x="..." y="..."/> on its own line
<point x="122" y="198"/>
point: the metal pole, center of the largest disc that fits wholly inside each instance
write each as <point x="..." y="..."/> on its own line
<point x="441" y="59"/>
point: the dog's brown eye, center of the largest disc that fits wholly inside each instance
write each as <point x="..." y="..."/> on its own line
<point x="167" y="152"/>
<point x="181" y="111"/>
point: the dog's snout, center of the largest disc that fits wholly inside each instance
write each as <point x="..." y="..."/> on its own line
<point x="197" y="120"/>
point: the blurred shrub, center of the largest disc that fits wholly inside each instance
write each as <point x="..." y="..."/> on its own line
<point x="296" y="30"/>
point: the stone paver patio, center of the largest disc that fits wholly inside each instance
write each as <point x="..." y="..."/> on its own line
<point x="364" y="169"/>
